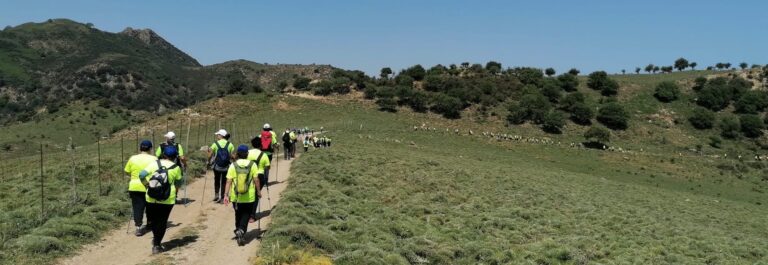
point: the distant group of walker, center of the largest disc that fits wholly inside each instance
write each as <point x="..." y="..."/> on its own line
<point x="240" y="173"/>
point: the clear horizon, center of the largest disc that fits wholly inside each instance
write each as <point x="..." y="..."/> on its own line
<point x="603" y="35"/>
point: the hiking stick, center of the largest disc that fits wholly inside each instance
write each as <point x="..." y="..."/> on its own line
<point x="258" y="212"/>
<point x="184" y="174"/>
<point x="269" y="196"/>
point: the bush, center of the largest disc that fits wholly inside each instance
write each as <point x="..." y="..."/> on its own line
<point x="568" y="82"/>
<point x="416" y="72"/>
<point x="751" y="102"/>
<point x="418" y="102"/>
<point x="532" y="107"/>
<point x="667" y="91"/>
<point x="369" y="92"/>
<point x="552" y="90"/>
<point x="572" y="99"/>
<point x="387" y="104"/>
<point x="582" y="114"/>
<point x="613" y="116"/>
<point x="729" y="127"/>
<point x="699" y="83"/>
<point x="450" y="107"/>
<point x="553" y="122"/>
<point x="597" y="134"/>
<point x="713" y="98"/>
<point x="322" y="88"/>
<point x="301" y="83"/>
<point x="702" y="118"/>
<point x="599" y="80"/>
<point x="751" y="125"/>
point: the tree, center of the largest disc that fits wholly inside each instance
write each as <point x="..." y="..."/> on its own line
<point x="582" y="114"/>
<point x="386" y="99"/>
<point x="528" y="75"/>
<point x="693" y="65"/>
<point x="450" y="107"/>
<point x="727" y="65"/>
<point x="236" y="86"/>
<point x="568" y="82"/>
<point x="667" y="91"/>
<point x="437" y="70"/>
<point x="532" y="107"/>
<point x="751" y="125"/>
<point x="623" y="71"/>
<point x="417" y="72"/>
<point x="493" y="67"/>
<point x="637" y="70"/>
<point x="571" y="100"/>
<point x="713" y="98"/>
<point x="418" y="102"/>
<point x="553" y="122"/>
<point x="552" y="90"/>
<point x="385" y="72"/>
<point x="656" y="69"/>
<point x="649" y="68"/>
<point x="549" y="72"/>
<point x="681" y="63"/>
<point x="610" y="88"/>
<point x="743" y="65"/>
<point x="751" y="102"/>
<point x="574" y="71"/>
<point x="301" y="83"/>
<point x="597" y="134"/>
<point x="729" y="127"/>
<point x="596" y="80"/>
<point x="720" y="66"/>
<point x="613" y="116"/>
<point x="702" y="118"/>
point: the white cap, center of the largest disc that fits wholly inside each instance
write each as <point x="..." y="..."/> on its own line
<point x="221" y="132"/>
<point x="267" y="126"/>
<point x="170" y="135"/>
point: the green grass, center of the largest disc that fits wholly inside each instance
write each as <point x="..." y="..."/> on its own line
<point x="465" y="200"/>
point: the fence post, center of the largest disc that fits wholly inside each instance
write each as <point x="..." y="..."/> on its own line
<point x="42" y="185"/>
<point x="137" y="140"/>
<point x="98" y="163"/>
<point x="122" y="152"/>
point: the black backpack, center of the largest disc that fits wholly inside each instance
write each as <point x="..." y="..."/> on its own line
<point x="162" y="151"/>
<point x="286" y="137"/>
<point x="159" y="185"/>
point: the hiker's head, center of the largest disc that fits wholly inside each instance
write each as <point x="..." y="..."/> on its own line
<point x="170" y="136"/>
<point x="242" y="151"/>
<point x="145" y="146"/>
<point x="221" y="134"/>
<point x="267" y="127"/>
<point x="170" y="153"/>
<point x="256" y="142"/>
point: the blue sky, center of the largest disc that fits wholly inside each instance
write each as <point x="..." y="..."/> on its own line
<point x="368" y="35"/>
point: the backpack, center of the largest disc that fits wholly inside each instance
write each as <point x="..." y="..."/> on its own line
<point x="159" y="186"/>
<point x="286" y="138"/>
<point x="222" y="157"/>
<point x="165" y="145"/>
<point x="266" y="141"/>
<point x="243" y="179"/>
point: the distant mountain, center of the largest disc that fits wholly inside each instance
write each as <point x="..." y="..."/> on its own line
<point x="46" y="65"/>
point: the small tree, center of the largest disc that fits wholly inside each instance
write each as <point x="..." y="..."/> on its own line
<point x="552" y="91"/>
<point x="549" y="72"/>
<point x="702" y="118"/>
<point x="743" y="65"/>
<point x="582" y="114"/>
<point x="699" y="83"/>
<point x="751" y="102"/>
<point x="571" y="100"/>
<point x="417" y="72"/>
<point x="751" y="125"/>
<point x="568" y="82"/>
<point x="574" y="71"/>
<point x="681" y="63"/>
<point x="649" y="68"/>
<point x="613" y="116"/>
<point x="656" y="69"/>
<point x="493" y="67"/>
<point x="385" y="72"/>
<point x="623" y="71"/>
<point x="729" y="127"/>
<point x="667" y="91"/>
<point x="449" y="107"/>
<point x="553" y="122"/>
<point x="610" y="88"/>
<point x="693" y="65"/>
<point x="637" y="70"/>
<point x="301" y="83"/>
<point x="598" y="135"/>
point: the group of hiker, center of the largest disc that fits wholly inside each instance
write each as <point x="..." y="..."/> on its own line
<point x="240" y="173"/>
<point x="291" y="138"/>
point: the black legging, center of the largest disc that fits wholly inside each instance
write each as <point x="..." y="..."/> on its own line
<point x="157" y="215"/>
<point x="287" y="151"/>
<point x="242" y="213"/>
<point x="219" y="181"/>
<point x="138" y="201"/>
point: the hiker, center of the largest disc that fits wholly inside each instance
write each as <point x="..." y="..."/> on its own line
<point x="220" y="156"/>
<point x="287" y="144"/>
<point x="268" y="140"/>
<point x="263" y="162"/>
<point x="160" y="178"/>
<point x="329" y="141"/>
<point x="136" y="189"/>
<point x="244" y="190"/>
<point x="306" y="143"/>
<point x="315" y="140"/>
<point x="293" y="137"/>
<point x="181" y="160"/>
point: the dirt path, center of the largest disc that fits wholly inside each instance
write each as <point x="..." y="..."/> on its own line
<point x="197" y="234"/>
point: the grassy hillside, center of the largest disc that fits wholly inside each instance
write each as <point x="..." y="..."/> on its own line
<point x="386" y="194"/>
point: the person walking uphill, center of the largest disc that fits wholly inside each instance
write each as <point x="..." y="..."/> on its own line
<point x="287" y="144"/>
<point x="220" y="155"/>
<point x="262" y="161"/>
<point x="160" y="178"/>
<point x="136" y="189"/>
<point x="294" y="139"/>
<point x="268" y="140"/>
<point x="181" y="160"/>
<point x="244" y="189"/>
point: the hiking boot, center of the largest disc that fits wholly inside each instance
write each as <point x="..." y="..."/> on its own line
<point x="157" y="250"/>
<point x="139" y="231"/>
<point x="216" y="198"/>
<point x="240" y="237"/>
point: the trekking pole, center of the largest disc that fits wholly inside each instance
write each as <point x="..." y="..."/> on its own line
<point x="269" y="196"/>
<point x="258" y="213"/>
<point x="184" y="174"/>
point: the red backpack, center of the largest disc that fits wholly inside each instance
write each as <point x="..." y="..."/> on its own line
<point x="266" y="141"/>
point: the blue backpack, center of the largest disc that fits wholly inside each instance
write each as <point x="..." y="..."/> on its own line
<point x="222" y="160"/>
